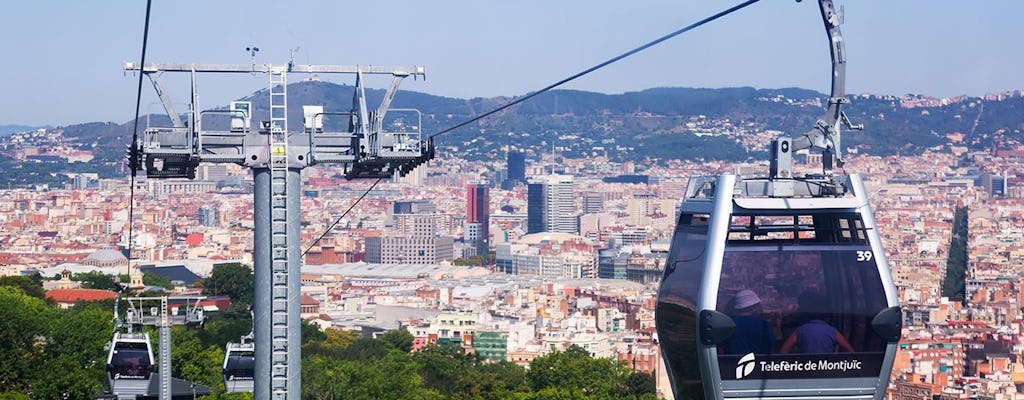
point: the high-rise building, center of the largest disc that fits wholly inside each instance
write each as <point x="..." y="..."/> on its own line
<point x="995" y="184"/>
<point x="550" y="205"/>
<point x="516" y="169"/>
<point x="478" y="216"/>
<point x="207" y="216"/>
<point x="593" y="202"/>
<point x="536" y="212"/>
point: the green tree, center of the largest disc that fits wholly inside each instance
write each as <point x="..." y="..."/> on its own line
<point x="95" y="280"/>
<point x="151" y="279"/>
<point x="552" y="394"/>
<point x="363" y="349"/>
<point x="392" y="376"/>
<point x="501" y="379"/>
<point x="26" y="284"/>
<point x="334" y="342"/>
<point x="64" y="377"/>
<point x="640" y="384"/>
<point x="321" y="377"/>
<point x="75" y="346"/>
<point x="954" y="283"/>
<point x="225" y="326"/>
<point x="444" y="367"/>
<point x="233" y="279"/>
<point x="575" y="369"/>
<point x="194" y="361"/>
<point x="311" y="333"/>
<point x="398" y="339"/>
<point x="24" y="323"/>
<point x="450" y="371"/>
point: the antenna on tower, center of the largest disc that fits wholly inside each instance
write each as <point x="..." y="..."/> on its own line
<point x="252" y="55"/>
<point x="291" y="61"/>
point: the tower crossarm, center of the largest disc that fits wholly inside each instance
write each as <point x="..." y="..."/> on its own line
<point x="266" y="68"/>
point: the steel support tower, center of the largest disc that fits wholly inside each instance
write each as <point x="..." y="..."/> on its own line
<point x="277" y="156"/>
<point x="155" y="311"/>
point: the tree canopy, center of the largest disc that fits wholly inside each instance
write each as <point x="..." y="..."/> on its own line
<point x="231" y="279"/>
<point x="37" y="339"/>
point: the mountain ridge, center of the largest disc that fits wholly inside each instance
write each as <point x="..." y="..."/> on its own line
<point x="732" y="124"/>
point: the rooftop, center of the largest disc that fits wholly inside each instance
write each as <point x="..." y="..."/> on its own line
<point x="76" y="295"/>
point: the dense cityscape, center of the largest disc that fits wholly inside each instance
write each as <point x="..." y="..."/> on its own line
<point x="533" y="252"/>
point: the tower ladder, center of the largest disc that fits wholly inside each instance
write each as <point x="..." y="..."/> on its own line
<point x="278" y="164"/>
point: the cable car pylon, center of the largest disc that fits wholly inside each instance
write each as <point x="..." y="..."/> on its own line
<point x="277" y="155"/>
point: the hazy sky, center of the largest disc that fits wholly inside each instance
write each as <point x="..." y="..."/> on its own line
<point x="63" y="59"/>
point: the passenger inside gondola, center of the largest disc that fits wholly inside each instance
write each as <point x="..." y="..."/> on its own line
<point x="815" y="334"/>
<point x="753" y="334"/>
<point x="130" y="363"/>
<point x="826" y="289"/>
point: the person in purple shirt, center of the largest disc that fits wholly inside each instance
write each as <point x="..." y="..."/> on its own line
<point x="815" y="335"/>
<point x="753" y="334"/>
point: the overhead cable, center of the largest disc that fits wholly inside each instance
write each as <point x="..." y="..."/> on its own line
<point x="599" y="66"/>
<point x="330" y="228"/>
<point x="552" y="86"/>
<point x="133" y="158"/>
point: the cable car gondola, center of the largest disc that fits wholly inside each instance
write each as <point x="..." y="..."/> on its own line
<point x="130" y="365"/>
<point x="779" y="287"/>
<point x="239" y="365"/>
<point x="794" y="261"/>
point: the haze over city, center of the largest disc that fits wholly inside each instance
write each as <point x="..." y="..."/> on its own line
<point x="710" y="224"/>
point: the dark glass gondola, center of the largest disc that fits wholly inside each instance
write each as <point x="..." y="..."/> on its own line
<point x="239" y="367"/>
<point x="799" y="260"/>
<point x="130" y="364"/>
<point x="778" y="287"/>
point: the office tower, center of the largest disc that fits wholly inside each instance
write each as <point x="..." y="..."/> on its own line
<point x="593" y="202"/>
<point x="994" y="184"/>
<point x="516" y="169"/>
<point x="550" y="205"/>
<point x="207" y="216"/>
<point x="478" y="216"/>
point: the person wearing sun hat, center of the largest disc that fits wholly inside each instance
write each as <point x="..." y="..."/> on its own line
<point x="753" y="334"/>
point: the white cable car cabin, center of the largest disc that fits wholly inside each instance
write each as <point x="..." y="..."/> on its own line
<point x="239" y="367"/>
<point x="778" y="287"/>
<point x="767" y="297"/>
<point x="130" y="364"/>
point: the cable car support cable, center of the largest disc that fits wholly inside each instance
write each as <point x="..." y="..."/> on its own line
<point x="601" y="65"/>
<point x="557" y="84"/>
<point x="330" y="228"/>
<point x="133" y="158"/>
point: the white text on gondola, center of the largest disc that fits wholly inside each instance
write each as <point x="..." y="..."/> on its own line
<point x="820" y="365"/>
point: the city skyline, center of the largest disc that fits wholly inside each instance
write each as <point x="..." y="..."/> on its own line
<point x="907" y="47"/>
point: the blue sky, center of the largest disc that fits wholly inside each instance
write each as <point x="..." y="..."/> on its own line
<point x="62" y="59"/>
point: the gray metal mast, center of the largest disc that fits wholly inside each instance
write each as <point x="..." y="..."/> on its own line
<point x="277" y="156"/>
<point x="827" y="132"/>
